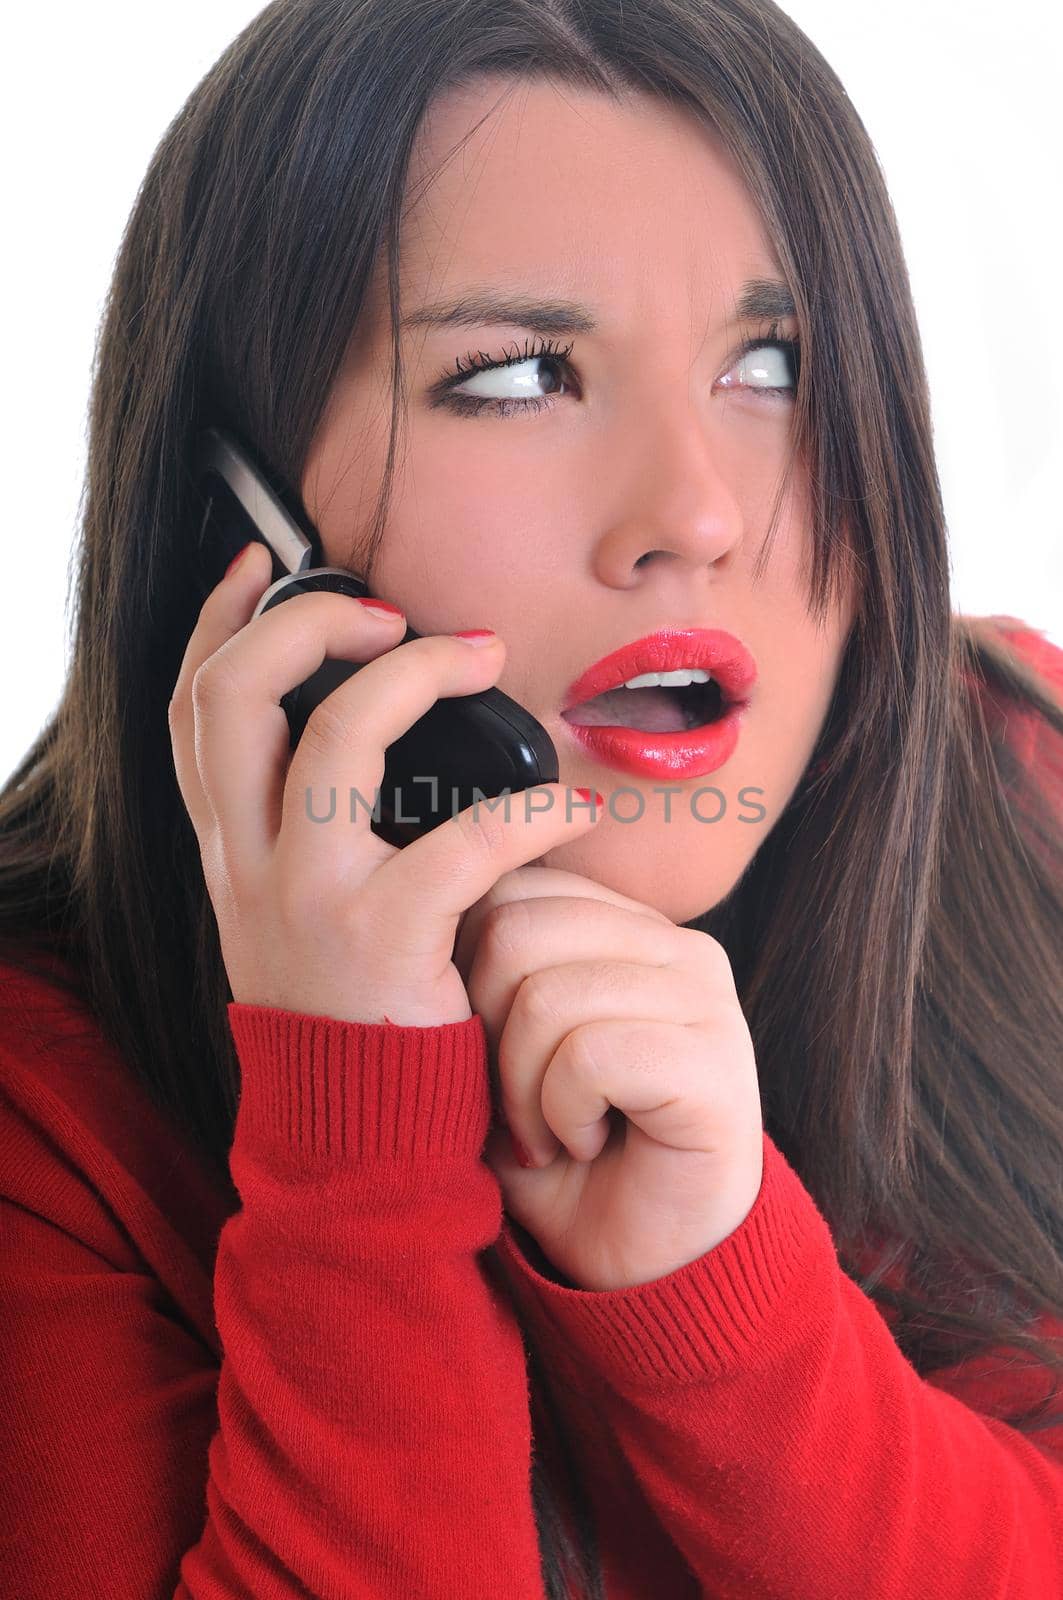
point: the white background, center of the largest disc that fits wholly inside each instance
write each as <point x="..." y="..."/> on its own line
<point x="961" y="100"/>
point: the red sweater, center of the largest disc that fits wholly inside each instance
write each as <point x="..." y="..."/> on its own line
<point x="320" y="1389"/>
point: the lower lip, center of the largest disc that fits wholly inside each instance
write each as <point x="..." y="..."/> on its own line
<point x="691" y="753"/>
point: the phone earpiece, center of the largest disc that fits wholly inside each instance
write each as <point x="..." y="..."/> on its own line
<point x="334" y="580"/>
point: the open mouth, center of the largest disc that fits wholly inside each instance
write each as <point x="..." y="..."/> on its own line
<point x="664" y="709"/>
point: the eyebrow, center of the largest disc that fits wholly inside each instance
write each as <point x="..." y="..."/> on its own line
<point x="761" y="298"/>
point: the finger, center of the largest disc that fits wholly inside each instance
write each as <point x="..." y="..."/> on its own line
<point x="449" y="869"/>
<point x="242" y="735"/>
<point x="519" y="938"/>
<point x="532" y="883"/>
<point x="343" y="748"/>
<point x="225" y="611"/>
<point x="562" y="1000"/>
<point x="655" y="1072"/>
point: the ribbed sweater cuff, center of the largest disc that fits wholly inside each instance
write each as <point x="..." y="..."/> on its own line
<point x="339" y="1092"/>
<point x="727" y="1312"/>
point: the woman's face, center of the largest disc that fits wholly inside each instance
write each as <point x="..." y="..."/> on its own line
<point x="634" y="492"/>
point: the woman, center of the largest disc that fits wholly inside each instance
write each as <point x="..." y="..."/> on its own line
<point x="776" y="1306"/>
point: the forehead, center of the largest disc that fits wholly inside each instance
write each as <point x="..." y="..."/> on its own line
<point x="631" y="206"/>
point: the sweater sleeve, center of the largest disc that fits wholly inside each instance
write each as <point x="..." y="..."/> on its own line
<point x="371" y="1435"/>
<point x="784" y="1441"/>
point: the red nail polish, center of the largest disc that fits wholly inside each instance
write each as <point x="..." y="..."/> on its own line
<point x="585" y="794"/>
<point x="476" y="635"/>
<point x="519" y="1152"/>
<point x="378" y="605"/>
<point x="238" y="557"/>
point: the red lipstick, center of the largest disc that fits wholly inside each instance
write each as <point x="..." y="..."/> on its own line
<point x="685" y="753"/>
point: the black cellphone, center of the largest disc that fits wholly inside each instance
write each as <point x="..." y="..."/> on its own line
<point x="464" y="748"/>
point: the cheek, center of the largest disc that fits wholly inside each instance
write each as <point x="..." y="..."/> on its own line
<point x="470" y="527"/>
<point x="798" y="665"/>
<point x="806" y="672"/>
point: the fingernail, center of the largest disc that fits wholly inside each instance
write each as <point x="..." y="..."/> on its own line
<point x="476" y="636"/>
<point x="238" y="557"/>
<point x="585" y="795"/>
<point x="519" y="1153"/>
<point x="379" y="608"/>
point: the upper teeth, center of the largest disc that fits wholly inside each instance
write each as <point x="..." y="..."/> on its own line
<point x="682" y="676"/>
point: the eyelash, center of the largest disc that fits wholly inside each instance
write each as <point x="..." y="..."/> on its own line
<point x="473" y="405"/>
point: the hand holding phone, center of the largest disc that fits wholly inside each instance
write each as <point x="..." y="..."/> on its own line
<point x="481" y="743"/>
<point x="328" y="919"/>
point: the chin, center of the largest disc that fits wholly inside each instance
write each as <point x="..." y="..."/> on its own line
<point x="645" y="876"/>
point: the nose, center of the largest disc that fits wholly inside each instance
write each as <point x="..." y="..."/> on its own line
<point x="677" y="504"/>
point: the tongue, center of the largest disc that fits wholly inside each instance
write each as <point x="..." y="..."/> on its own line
<point x="651" y="710"/>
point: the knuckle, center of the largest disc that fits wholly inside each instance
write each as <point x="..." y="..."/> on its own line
<point x="483" y="829"/>
<point x="720" y="966"/>
<point x="505" y="927"/>
<point x="581" y="1051"/>
<point x="538" y="998"/>
<point x="213" y="682"/>
<point x="326" y="727"/>
<point x="703" y="949"/>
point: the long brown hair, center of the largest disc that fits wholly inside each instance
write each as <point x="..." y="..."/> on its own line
<point x="895" y="938"/>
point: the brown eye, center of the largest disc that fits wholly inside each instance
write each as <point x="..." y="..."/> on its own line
<point x="525" y="380"/>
